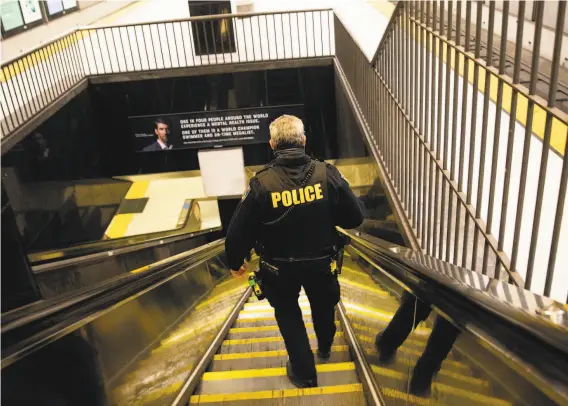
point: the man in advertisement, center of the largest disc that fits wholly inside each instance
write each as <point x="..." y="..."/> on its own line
<point x="161" y="129"/>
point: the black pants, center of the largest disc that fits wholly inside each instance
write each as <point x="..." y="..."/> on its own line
<point x="282" y="291"/>
<point x="440" y="342"/>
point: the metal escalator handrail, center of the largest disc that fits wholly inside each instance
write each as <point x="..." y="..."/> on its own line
<point x="427" y="276"/>
<point x="107" y="248"/>
<point x="124" y="285"/>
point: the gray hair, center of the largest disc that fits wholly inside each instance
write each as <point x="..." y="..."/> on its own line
<point x="287" y="131"/>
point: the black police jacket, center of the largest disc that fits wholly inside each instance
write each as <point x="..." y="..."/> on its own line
<point x="307" y="231"/>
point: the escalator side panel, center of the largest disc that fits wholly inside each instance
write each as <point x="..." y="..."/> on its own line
<point x="103" y="361"/>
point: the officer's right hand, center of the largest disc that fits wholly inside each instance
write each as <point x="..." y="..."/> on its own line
<point x="240" y="272"/>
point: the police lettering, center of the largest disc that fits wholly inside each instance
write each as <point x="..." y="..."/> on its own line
<point x="297" y="196"/>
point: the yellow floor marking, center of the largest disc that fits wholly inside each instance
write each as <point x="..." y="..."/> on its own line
<point x="268" y="354"/>
<point x="559" y="131"/>
<point x="237" y="330"/>
<point x="277" y="394"/>
<point x="269" y="372"/>
<point x="120" y="222"/>
<point x="275" y="339"/>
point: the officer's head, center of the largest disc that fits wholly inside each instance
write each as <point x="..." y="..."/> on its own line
<point x="287" y="132"/>
<point x="161" y="130"/>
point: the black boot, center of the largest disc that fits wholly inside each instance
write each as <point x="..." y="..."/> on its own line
<point x="298" y="382"/>
<point x="386" y="355"/>
<point x="324" y="355"/>
<point x="421" y="381"/>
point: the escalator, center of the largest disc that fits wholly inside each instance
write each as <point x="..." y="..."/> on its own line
<point x="185" y="332"/>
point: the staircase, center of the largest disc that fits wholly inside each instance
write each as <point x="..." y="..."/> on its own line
<point x="250" y="367"/>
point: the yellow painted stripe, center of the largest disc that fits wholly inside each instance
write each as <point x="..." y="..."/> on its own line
<point x="120" y="222"/>
<point x="384" y="7"/>
<point x="277" y="394"/>
<point x="270" y="372"/>
<point x="275" y="339"/>
<point x="268" y="354"/>
<point x="237" y="330"/>
<point x="137" y="190"/>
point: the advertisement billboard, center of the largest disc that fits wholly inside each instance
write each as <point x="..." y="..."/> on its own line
<point x="206" y="129"/>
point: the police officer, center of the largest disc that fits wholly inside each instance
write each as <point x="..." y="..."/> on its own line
<point x="289" y="214"/>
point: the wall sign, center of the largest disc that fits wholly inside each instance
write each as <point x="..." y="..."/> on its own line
<point x="208" y="129"/>
<point x="30" y="10"/>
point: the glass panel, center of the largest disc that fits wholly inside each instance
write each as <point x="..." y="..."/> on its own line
<point x="435" y="360"/>
<point x="11" y="15"/>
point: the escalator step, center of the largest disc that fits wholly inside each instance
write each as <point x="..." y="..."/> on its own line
<point x="262" y="331"/>
<point x="272" y="379"/>
<point x="264" y="320"/>
<point x="268" y="344"/>
<point x="270" y="359"/>
<point x="347" y="394"/>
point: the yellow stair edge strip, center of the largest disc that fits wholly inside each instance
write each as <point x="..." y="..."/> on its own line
<point x="274" y="339"/>
<point x="277" y="394"/>
<point x="271" y="372"/>
<point x="267" y="354"/>
<point x="237" y="330"/>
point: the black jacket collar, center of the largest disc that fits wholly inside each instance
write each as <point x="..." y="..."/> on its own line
<point x="290" y="157"/>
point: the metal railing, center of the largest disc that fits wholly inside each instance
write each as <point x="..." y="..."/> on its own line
<point x="31" y="82"/>
<point x="471" y="190"/>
